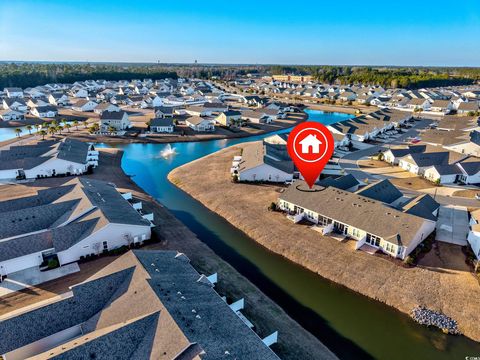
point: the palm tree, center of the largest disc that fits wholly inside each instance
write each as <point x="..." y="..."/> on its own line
<point x="54" y="123"/>
<point x="75" y="123"/>
<point x="37" y="127"/>
<point x="59" y="128"/>
<point x="84" y="122"/>
<point x="45" y="125"/>
<point x="29" y="128"/>
<point x="51" y="130"/>
<point x="68" y="126"/>
<point x="43" y="133"/>
<point x="64" y="121"/>
<point x="18" y="131"/>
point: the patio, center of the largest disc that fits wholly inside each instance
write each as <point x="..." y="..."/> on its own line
<point x="33" y="276"/>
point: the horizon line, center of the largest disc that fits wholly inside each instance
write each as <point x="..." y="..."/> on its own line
<point x="226" y="64"/>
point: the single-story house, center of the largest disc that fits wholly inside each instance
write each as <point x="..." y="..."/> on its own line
<point x="67" y="223"/>
<point x="106" y="106"/>
<point x="229" y="118"/>
<point x="8" y="115"/>
<point x="46" y="159"/>
<point x="370" y="223"/>
<point x="84" y="105"/>
<point x="162" y="125"/>
<point x="47" y="111"/>
<point x="261" y="162"/>
<point x="198" y="123"/>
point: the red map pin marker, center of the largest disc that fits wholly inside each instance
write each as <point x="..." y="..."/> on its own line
<point x="310" y="145"/>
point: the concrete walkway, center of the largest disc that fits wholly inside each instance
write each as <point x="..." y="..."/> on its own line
<point x="33" y="276"/>
<point x="452" y="225"/>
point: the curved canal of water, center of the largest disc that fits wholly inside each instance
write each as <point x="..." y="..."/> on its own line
<point x="351" y="325"/>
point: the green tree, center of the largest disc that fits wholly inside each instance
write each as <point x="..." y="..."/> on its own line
<point x="68" y="126"/>
<point x="18" y="131"/>
<point x="30" y="128"/>
<point x="42" y="133"/>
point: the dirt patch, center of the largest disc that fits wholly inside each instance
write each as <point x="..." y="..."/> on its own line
<point x="448" y="289"/>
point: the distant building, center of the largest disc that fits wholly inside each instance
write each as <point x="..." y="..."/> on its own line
<point x="116" y="119"/>
<point x="162" y="125"/>
<point x="14" y="92"/>
<point x="200" y="124"/>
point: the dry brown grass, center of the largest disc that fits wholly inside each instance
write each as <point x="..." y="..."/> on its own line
<point x="441" y="287"/>
<point x="466" y="193"/>
<point x="372" y="163"/>
<point x="413" y="183"/>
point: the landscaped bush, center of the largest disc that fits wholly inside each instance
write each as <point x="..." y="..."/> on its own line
<point x="53" y="263"/>
<point x="118" y="251"/>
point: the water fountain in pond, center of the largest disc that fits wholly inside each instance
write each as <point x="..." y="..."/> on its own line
<point x="168" y="152"/>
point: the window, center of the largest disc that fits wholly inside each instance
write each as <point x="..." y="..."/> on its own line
<point x="105" y="246"/>
<point x="373" y="240"/>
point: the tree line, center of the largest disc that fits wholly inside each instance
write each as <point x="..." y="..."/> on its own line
<point x="404" y="77"/>
<point x="33" y="74"/>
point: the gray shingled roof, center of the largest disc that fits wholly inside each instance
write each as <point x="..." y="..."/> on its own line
<point x="43" y="197"/>
<point x="87" y="300"/>
<point x="132" y="341"/>
<point x="161" y="122"/>
<point x="60" y="238"/>
<point x="73" y="150"/>
<point x="383" y="191"/>
<point x="344" y="182"/>
<point x="199" y="311"/>
<point x="27" y="220"/>
<point x="114" y="207"/>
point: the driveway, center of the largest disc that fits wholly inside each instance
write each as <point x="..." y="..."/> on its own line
<point x="452" y="225"/>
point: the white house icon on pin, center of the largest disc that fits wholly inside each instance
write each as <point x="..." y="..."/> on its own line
<point x="310" y="144"/>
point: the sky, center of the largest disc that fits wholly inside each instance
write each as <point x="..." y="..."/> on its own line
<point x="420" y="33"/>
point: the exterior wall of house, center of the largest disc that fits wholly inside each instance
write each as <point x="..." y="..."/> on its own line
<point x="20" y="263"/>
<point x="8" y="174"/>
<point x="60" y="166"/>
<point x="433" y="175"/>
<point x="405" y="165"/>
<point x="162" y="129"/>
<point x="473" y="179"/>
<point x="392" y="249"/>
<point x="264" y="172"/>
<point x="474" y="241"/>
<point x="390" y="158"/>
<point x="115" y="236"/>
<point x="203" y="126"/>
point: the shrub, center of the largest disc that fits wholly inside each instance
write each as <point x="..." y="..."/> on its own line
<point x="53" y="263"/>
<point x="272" y="207"/>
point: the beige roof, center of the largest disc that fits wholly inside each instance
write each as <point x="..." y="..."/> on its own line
<point x="355" y="210"/>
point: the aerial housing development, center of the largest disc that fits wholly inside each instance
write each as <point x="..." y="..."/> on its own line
<point x="238" y="182"/>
